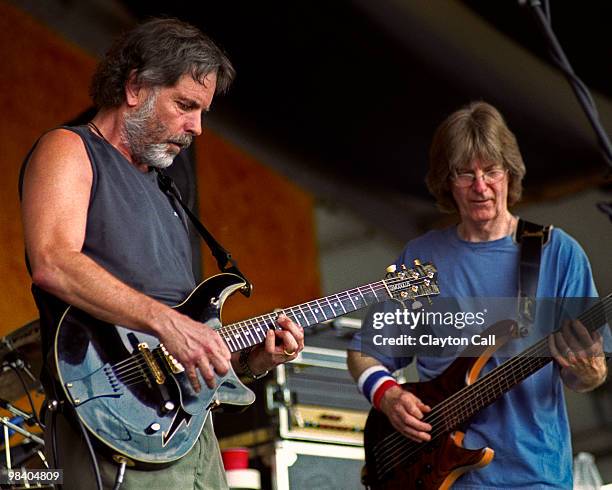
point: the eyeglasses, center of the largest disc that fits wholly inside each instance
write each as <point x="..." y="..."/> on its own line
<point x="466" y="179"/>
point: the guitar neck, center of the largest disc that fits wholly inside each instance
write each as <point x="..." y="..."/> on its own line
<point x="247" y="333"/>
<point x="467" y="402"/>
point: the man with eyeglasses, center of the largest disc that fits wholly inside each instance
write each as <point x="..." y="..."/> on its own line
<point x="476" y="170"/>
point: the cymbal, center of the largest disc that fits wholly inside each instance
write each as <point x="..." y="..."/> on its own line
<point x="21" y="349"/>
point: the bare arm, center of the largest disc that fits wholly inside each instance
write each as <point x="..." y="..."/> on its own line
<point x="403" y="409"/>
<point x="56" y="192"/>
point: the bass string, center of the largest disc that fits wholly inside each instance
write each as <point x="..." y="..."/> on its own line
<point x="439" y="415"/>
<point x="594" y="317"/>
<point x="404" y="448"/>
<point x="399" y="454"/>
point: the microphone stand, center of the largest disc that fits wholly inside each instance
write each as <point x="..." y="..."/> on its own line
<point x="579" y="88"/>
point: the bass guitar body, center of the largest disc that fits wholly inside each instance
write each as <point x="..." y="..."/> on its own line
<point x="130" y="394"/>
<point x="394" y="462"/>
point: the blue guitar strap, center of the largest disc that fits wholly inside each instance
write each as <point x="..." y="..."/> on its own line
<point x="531" y="238"/>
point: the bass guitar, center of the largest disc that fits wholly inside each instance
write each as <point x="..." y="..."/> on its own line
<point x="135" y="398"/>
<point x="393" y="461"/>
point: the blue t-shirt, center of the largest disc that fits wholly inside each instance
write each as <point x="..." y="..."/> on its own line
<point x="528" y="427"/>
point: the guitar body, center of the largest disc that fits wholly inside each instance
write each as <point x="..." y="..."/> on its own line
<point x="438" y="463"/>
<point x="135" y="398"/>
<point x="121" y="403"/>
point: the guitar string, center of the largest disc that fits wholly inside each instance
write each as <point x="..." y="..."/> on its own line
<point x="402" y="454"/>
<point x="383" y="447"/>
<point x="355" y="292"/>
<point x="405" y="448"/>
<point x="388" y="451"/>
<point x="140" y="377"/>
<point x="138" y="372"/>
<point x="382" y="450"/>
<point x="438" y="413"/>
<point x="125" y="365"/>
<point x="132" y="369"/>
<point x="596" y="316"/>
<point x="296" y="311"/>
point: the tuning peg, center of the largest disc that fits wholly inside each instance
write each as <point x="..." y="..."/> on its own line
<point x="391" y="269"/>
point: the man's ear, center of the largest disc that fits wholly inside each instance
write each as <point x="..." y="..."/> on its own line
<point x="132" y="90"/>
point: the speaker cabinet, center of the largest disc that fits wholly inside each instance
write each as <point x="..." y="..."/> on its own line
<point x="294" y="465"/>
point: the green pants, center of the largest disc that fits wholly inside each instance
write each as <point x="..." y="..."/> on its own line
<point x="200" y="469"/>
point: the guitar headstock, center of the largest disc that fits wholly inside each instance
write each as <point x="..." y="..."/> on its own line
<point x="409" y="284"/>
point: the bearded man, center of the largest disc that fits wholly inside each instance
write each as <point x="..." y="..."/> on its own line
<point x="102" y="236"/>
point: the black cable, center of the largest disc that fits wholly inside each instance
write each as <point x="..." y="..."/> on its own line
<point x="547" y="11"/>
<point x="92" y="454"/>
<point x="54" y="442"/>
<point x="27" y="392"/>
<point x="579" y="88"/>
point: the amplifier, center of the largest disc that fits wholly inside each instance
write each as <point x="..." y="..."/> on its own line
<point x="294" y="465"/>
<point x="314" y="398"/>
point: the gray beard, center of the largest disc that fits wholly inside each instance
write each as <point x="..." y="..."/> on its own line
<point x="142" y="131"/>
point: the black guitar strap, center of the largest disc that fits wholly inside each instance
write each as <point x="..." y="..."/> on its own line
<point x="222" y="256"/>
<point x="531" y="238"/>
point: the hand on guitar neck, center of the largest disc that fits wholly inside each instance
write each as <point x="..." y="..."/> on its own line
<point x="280" y="346"/>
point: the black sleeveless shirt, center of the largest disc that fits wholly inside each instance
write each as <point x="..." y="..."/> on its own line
<point x="134" y="231"/>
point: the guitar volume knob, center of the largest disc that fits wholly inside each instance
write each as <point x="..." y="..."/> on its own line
<point x="153" y="428"/>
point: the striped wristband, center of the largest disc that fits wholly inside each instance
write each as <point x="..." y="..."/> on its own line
<point x="374" y="382"/>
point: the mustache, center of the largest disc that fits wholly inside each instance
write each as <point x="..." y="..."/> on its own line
<point x="183" y="140"/>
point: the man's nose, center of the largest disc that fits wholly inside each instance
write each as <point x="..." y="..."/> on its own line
<point x="193" y="124"/>
<point x="479" y="184"/>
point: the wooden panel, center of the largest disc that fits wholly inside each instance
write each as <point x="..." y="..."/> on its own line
<point x="44" y="82"/>
<point x="264" y="220"/>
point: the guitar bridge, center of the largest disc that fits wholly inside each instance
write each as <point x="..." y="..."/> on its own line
<point x="158" y="375"/>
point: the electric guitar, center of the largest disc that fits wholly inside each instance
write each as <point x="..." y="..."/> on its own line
<point x="396" y="462"/>
<point x="135" y="398"/>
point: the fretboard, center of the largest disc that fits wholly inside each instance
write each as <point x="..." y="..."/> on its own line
<point x="468" y="401"/>
<point x="247" y="333"/>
